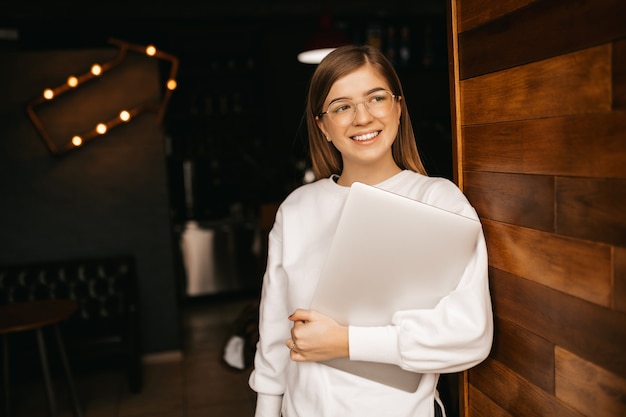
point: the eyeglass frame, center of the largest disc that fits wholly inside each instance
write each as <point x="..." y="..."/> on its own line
<point x="394" y="97"/>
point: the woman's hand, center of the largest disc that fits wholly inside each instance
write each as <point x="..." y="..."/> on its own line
<point x="316" y="337"/>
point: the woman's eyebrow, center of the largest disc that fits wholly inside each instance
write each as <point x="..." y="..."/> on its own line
<point x="338" y="99"/>
<point x="367" y="93"/>
<point x="373" y="90"/>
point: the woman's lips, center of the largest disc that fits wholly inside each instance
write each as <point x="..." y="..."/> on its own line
<point x="366" y="136"/>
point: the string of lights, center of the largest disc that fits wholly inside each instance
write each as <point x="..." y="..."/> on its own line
<point x="125" y="115"/>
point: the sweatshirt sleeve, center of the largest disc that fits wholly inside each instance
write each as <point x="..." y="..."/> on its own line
<point x="270" y="363"/>
<point x="455" y="335"/>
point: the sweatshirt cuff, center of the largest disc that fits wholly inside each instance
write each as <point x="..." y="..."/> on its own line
<point x="374" y="344"/>
<point x="268" y="405"/>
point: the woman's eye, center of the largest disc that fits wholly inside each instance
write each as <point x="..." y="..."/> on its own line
<point x="341" y="108"/>
<point x="377" y="98"/>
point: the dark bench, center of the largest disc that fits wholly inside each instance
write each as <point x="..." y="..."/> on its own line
<point x="106" y="323"/>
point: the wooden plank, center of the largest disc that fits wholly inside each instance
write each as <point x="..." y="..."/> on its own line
<point x="593" y="209"/>
<point x="498" y="147"/>
<point x="543" y="29"/>
<point x="576" y="267"/>
<point x="576" y="83"/>
<point x="455" y="95"/>
<point x="516" y="348"/>
<point x="476" y="12"/>
<point x="619" y="279"/>
<point x="464" y="394"/>
<point x="457" y="141"/>
<point x="481" y="405"/>
<point x="512" y="392"/>
<point x="525" y="200"/>
<point x="619" y="75"/>
<point x="589" y="145"/>
<point x="592" y="390"/>
<point x="586" y="329"/>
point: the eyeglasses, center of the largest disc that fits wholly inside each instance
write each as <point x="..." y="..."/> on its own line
<point x="378" y="104"/>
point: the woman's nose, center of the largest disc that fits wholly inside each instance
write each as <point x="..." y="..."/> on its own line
<point x="362" y="115"/>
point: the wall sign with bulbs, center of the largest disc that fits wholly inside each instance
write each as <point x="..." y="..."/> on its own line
<point x="118" y="101"/>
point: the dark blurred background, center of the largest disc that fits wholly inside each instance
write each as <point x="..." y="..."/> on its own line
<point x="189" y="198"/>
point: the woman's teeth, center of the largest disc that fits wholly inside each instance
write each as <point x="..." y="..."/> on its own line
<point x="366" y="136"/>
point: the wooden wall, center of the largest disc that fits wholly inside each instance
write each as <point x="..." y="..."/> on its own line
<point x="539" y="107"/>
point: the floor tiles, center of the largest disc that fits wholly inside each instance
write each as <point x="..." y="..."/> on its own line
<point x="200" y="384"/>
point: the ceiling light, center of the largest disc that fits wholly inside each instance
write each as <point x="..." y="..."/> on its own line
<point x="323" y="41"/>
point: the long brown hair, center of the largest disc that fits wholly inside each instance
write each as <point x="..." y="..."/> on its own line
<point x="325" y="158"/>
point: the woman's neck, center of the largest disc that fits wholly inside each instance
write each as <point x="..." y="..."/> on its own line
<point x="369" y="175"/>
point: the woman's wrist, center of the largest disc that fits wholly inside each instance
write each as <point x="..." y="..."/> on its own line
<point x="344" y="342"/>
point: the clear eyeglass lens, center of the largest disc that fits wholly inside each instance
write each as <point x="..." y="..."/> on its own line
<point x="343" y="112"/>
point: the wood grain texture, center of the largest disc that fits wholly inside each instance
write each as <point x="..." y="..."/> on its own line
<point x="619" y="279"/>
<point x="619" y="75"/>
<point x="588" y="388"/>
<point x="483" y="406"/>
<point x="476" y="12"/>
<point x="541" y="89"/>
<point x="592" y="332"/>
<point x="593" y="209"/>
<point x="516" y="347"/>
<point x="543" y="29"/>
<point x="588" y="145"/>
<point x="498" y="147"/>
<point x="541" y="131"/>
<point x="512" y="392"/>
<point x="455" y="95"/>
<point x="576" y="267"/>
<point x="525" y="200"/>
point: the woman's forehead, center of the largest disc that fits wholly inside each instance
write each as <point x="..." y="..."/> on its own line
<point x="357" y="83"/>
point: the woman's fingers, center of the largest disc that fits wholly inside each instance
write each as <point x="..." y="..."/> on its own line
<point x="301" y="315"/>
<point x="291" y="344"/>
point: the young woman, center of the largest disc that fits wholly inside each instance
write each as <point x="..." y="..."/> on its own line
<point x="359" y="130"/>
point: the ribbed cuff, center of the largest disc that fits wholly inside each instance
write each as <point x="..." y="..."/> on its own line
<point x="374" y="344"/>
<point x="268" y="405"/>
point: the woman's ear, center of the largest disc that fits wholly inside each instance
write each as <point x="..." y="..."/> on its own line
<point x="320" y="124"/>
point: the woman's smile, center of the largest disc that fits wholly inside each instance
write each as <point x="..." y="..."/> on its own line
<point x="362" y="137"/>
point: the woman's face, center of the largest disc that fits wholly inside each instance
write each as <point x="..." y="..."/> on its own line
<point x="366" y="140"/>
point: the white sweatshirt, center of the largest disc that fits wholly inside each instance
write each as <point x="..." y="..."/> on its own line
<point x="453" y="336"/>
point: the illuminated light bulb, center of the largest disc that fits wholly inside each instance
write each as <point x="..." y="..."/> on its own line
<point x="150" y="50"/>
<point x="48" y="94"/>
<point x="101" y="128"/>
<point x="124" y="116"/>
<point x="96" y="69"/>
<point x="171" y="84"/>
<point x="72" y="81"/>
<point x="77" y="140"/>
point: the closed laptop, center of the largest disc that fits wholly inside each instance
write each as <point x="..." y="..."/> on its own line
<point x="390" y="253"/>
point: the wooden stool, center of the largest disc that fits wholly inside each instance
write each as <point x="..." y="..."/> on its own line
<point x="35" y="315"/>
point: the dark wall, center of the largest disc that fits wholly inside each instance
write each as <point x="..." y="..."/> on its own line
<point x="107" y="198"/>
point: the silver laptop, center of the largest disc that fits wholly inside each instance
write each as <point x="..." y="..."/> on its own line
<point x="390" y="253"/>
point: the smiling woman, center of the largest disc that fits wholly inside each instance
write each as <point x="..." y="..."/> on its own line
<point x="363" y="135"/>
<point x="359" y="131"/>
<point x="372" y="74"/>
